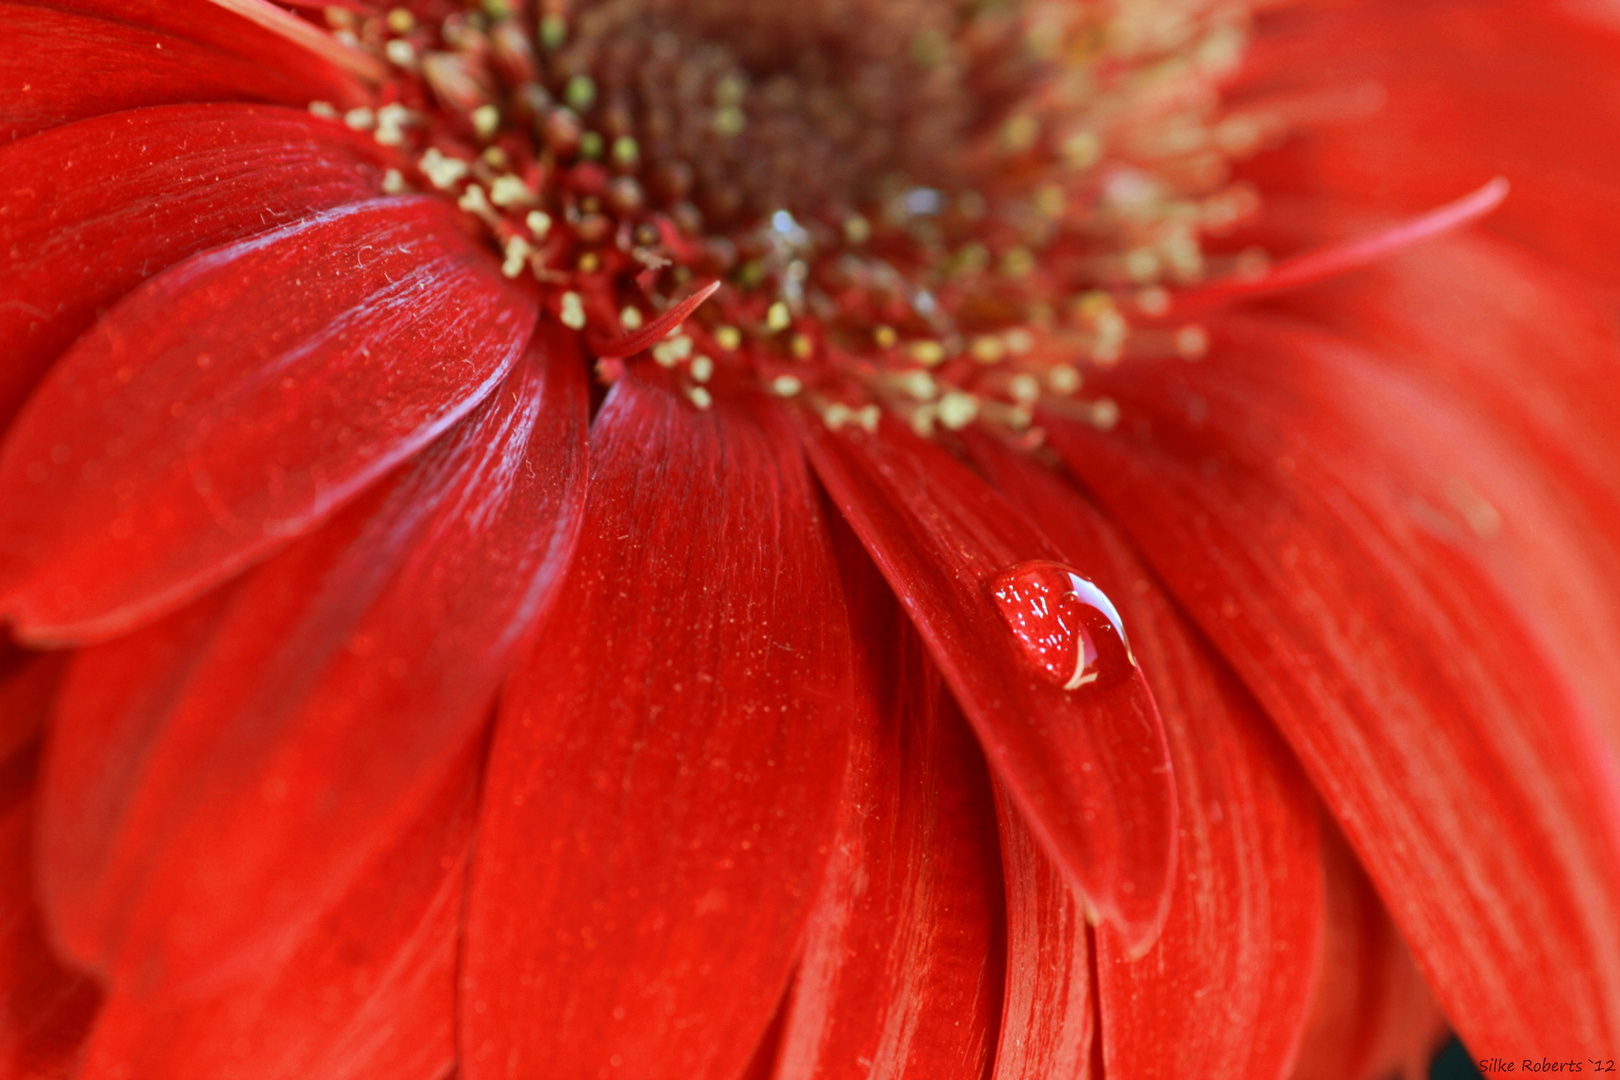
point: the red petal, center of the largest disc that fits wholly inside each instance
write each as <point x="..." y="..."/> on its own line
<point x="1049" y="1010"/>
<point x="902" y="960"/>
<point x="1473" y="89"/>
<point x="81" y="58"/>
<point x="1223" y="992"/>
<point x="45" y="1008"/>
<point x="27" y="685"/>
<point x="1371" y="1016"/>
<point x="322" y="707"/>
<point x="369" y="991"/>
<point x="665" y="774"/>
<point x="237" y="400"/>
<point x="1348" y="537"/>
<point x="940" y="535"/>
<point x="89" y="210"/>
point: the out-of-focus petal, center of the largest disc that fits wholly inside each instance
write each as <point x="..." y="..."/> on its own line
<point x="1336" y="528"/>
<point x="1470" y="89"/>
<point x="73" y="59"/>
<point x="1372" y="1017"/>
<point x="368" y="991"/>
<point x="89" y="210"/>
<point x="900" y="975"/>
<point x="235" y="401"/>
<point x="664" y="781"/>
<point x="1088" y="768"/>
<point x="27" y="684"/>
<point x="45" y="1007"/>
<point x="188" y="840"/>
<point x="1223" y="991"/>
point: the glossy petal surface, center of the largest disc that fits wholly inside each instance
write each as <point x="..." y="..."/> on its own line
<point x="664" y="780"/>
<point x="901" y="970"/>
<point x="89" y="210"/>
<point x="329" y="693"/>
<point x="1223" y="992"/>
<point x="80" y="58"/>
<point x="196" y="427"/>
<point x="1088" y="768"/>
<point x="1334" y="528"/>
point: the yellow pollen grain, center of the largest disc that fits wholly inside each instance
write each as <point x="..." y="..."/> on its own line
<point x="1024" y="388"/>
<point x="957" y="410"/>
<point x="572" y="312"/>
<point x="868" y="417"/>
<point x="923" y="419"/>
<point x="324" y="109"/>
<point x="553" y="31"/>
<point x="631" y="318"/>
<point x="1051" y="201"/>
<point x="837" y="415"/>
<point x="400" y="53"/>
<point x="494" y="157"/>
<point x="727" y="337"/>
<point x="626" y="152"/>
<point x="786" y="386"/>
<point x="580" y="92"/>
<point x="508" y="191"/>
<point x="539" y="223"/>
<point x="391" y="122"/>
<point x="857" y="230"/>
<point x="987" y="349"/>
<point x="1064" y="379"/>
<point x="801" y="346"/>
<point x="928" y="353"/>
<point x="361" y="119"/>
<point x="1020" y="133"/>
<point x="401" y="21"/>
<point x="700" y="397"/>
<point x="1019" y="341"/>
<point x="486" y="121"/>
<point x="672" y="351"/>
<point x="393" y="182"/>
<point x="885" y="337"/>
<point x="518" y="251"/>
<point x="729" y="121"/>
<point x="919" y="384"/>
<point x="777" y="317"/>
<point x="702" y="368"/>
<point x="473" y="200"/>
<point x="442" y="172"/>
<point x="589" y="262"/>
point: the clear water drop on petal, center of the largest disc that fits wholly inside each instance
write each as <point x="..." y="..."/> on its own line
<point x="1067" y="628"/>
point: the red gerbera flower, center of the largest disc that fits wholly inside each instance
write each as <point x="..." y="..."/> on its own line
<point x="647" y="538"/>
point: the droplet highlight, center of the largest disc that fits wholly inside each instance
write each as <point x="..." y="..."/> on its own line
<point x="1066" y="626"/>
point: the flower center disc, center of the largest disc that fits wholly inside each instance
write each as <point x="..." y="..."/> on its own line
<point x="942" y="209"/>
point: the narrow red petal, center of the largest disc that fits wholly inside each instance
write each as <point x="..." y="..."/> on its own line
<point x="238" y="399"/>
<point x="1088" y="768"/>
<point x="1371" y="1015"/>
<point x="1358" y="547"/>
<point x="76" y="59"/>
<point x="632" y="343"/>
<point x="1345" y="256"/>
<point x="1049" y="1011"/>
<point x="368" y="991"/>
<point x="665" y="775"/>
<point x="902" y="960"/>
<point x="1223" y="992"/>
<point x="322" y="707"/>
<point x="45" y="1007"/>
<point x="131" y="194"/>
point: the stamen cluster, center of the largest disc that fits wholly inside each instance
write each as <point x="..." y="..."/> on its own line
<point x="942" y="209"/>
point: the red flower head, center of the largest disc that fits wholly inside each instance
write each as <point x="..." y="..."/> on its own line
<point x="705" y="538"/>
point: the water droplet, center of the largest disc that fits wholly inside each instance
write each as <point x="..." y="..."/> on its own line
<point x="1067" y="628"/>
